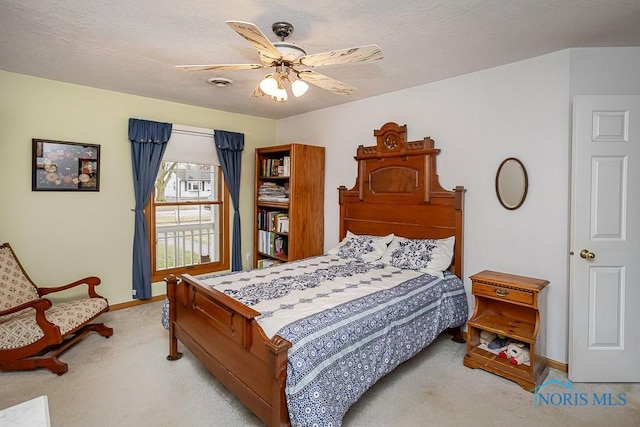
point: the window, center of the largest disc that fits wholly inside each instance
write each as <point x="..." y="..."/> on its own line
<point x="196" y="186"/>
<point x="188" y="213"/>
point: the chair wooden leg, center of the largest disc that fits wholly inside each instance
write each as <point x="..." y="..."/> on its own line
<point x="102" y="329"/>
<point x="48" y="359"/>
<point x="54" y="365"/>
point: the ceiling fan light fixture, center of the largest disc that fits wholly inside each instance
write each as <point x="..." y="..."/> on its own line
<point x="280" y="95"/>
<point x="299" y="88"/>
<point x="269" y="85"/>
<point x="284" y="58"/>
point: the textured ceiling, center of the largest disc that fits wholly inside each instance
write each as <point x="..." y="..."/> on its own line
<point x="132" y="46"/>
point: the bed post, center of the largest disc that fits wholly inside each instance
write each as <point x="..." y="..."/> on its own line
<point x="279" y="347"/>
<point x="172" y="281"/>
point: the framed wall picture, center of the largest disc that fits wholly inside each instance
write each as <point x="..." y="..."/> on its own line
<point x="65" y="166"/>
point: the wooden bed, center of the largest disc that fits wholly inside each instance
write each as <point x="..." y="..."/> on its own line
<point x="397" y="191"/>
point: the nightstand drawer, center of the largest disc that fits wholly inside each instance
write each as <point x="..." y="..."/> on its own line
<point x="500" y="292"/>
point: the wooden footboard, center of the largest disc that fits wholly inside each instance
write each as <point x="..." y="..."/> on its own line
<point x="224" y="335"/>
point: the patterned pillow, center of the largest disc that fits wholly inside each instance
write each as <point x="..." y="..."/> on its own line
<point x="429" y="256"/>
<point x="362" y="247"/>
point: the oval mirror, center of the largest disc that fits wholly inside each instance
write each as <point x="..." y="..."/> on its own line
<point x="511" y="183"/>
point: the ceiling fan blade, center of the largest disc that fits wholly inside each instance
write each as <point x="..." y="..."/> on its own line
<point x="219" y="67"/>
<point x="343" y="56"/>
<point x="256" y="38"/>
<point x="326" y="83"/>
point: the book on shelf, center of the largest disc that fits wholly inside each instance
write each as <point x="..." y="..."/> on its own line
<point x="266" y="167"/>
<point x="265" y="262"/>
<point x="280" y="245"/>
<point x="286" y="166"/>
<point x="275" y="164"/>
<point x="276" y="167"/>
<point x="271" y="192"/>
<point x="273" y="220"/>
<point x="282" y="223"/>
<point x="262" y="237"/>
<point x="272" y="244"/>
<point x="273" y="199"/>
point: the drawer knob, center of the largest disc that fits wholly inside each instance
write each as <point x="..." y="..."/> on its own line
<point x="502" y="292"/>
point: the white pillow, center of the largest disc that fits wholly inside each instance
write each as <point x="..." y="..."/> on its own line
<point x="361" y="247"/>
<point x="431" y="256"/>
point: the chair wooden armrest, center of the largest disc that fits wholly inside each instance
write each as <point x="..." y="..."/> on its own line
<point x="40" y="305"/>
<point x="91" y="282"/>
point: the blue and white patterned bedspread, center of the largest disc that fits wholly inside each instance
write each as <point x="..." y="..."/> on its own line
<point x="358" y="322"/>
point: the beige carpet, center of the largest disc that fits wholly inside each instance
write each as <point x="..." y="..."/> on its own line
<point x="126" y="381"/>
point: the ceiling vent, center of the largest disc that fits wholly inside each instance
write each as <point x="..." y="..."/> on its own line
<point x="220" y="81"/>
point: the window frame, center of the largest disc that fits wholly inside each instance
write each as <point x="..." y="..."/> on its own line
<point x="210" y="267"/>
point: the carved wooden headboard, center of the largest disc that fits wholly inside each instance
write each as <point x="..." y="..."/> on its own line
<point x="397" y="191"/>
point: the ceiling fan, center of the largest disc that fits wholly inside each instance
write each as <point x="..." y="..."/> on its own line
<point x="287" y="58"/>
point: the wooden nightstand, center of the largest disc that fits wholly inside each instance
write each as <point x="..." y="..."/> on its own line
<point x="513" y="306"/>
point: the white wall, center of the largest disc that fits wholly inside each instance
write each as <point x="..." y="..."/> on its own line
<point x="605" y="71"/>
<point x="520" y="110"/>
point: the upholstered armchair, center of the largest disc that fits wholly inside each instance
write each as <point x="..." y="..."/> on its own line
<point x="33" y="329"/>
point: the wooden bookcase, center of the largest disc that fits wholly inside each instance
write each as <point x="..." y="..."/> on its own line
<point x="513" y="306"/>
<point x="298" y="171"/>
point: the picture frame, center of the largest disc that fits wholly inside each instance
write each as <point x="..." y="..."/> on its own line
<point x="65" y="166"/>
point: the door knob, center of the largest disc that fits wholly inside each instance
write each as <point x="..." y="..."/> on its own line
<point x="586" y="254"/>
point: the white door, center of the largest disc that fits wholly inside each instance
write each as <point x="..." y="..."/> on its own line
<point x="604" y="330"/>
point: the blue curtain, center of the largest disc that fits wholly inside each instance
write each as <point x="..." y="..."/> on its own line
<point x="148" y="142"/>
<point x="229" y="146"/>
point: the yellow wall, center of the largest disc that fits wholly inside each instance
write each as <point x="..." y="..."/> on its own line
<point x="63" y="236"/>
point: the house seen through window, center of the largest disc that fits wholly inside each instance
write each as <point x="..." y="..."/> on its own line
<point x="188" y="212"/>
